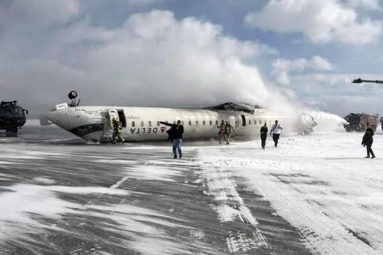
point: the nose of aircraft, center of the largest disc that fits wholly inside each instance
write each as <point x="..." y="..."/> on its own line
<point x="51" y="116"/>
<point x="59" y="117"/>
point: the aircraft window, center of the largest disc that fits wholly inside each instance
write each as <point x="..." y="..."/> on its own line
<point x="133" y="124"/>
<point x="158" y="123"/>
<point x="216" y="122"/>
<point x="236" y="122"/>
<point x="196" y="122"/>
<point x="142" y="123"/>
<point x="260" y="122"/>
<point x="211" y="122"/>
<point x="149" y="123"/>
<point x="249" y="122"/>
<point x="189" y="122"/>
<point x="203" y="123"/>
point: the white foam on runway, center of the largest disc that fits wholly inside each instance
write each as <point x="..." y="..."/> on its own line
<point x="153" y="172"/>
<point x="321" y="184"/>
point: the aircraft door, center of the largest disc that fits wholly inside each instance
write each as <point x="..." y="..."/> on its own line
<point x="111" y="114"/>
<point x="233" y="121"/>
<point x="243" y="120"/>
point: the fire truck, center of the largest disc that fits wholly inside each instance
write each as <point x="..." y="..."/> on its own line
<point x="12" y="117"/>
<point x="357" y="122"/>
<point x="360" y="80"/>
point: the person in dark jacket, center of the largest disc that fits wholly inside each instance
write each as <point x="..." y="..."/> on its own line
<point x="175" y="135"/>
<point x="368" y="140"/>
<point x="264" y="130"/>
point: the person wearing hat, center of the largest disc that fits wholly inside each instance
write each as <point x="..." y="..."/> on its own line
<point x="117" y="127"/>
<point x="228" y="130"/>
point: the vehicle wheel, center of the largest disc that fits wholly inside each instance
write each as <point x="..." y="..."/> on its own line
<point x="11" y="131"/>
<point x="72" y="94"/>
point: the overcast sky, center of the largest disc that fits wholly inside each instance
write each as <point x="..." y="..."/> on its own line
<point x="192" y="53"/>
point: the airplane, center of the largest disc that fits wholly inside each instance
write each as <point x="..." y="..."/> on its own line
<point x="94" y="123"/>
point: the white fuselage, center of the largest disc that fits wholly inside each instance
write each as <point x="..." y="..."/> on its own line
<point x="93" y="123"/>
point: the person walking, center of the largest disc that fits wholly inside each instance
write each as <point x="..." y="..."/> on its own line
<point x="228" y="130"/>
<point x="117" y="127"/>
<point x="367" y="140"/>
<point x="264" y="130"/>
<point x="276" y="131"/>
<point x="221" y="132"/>
<point x="175" y="135"/>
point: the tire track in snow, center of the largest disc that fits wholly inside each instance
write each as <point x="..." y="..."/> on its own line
<point x="324" y="234"/>
<point x="231" y="209"/>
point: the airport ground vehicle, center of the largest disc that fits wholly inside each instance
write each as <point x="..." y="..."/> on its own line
<point x="12" y="117"/>
<point x="357" y="121"/>
<point x="360" y="80"/>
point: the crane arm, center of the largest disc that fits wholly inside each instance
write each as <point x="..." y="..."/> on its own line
<point x="359" y="80"/>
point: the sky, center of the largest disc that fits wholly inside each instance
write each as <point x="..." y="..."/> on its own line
<point x="180" y="53"/>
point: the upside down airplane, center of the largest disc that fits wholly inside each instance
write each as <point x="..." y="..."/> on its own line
<point x="94" y="123"/>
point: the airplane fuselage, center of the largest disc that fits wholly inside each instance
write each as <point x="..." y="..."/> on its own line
<point x="93" y="123"/>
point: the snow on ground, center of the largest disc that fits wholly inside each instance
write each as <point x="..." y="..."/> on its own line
<point x="320" y="183"/>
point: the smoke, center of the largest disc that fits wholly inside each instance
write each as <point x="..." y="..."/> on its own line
<point x="328" y="122"/>
<point x="153" y="59"/>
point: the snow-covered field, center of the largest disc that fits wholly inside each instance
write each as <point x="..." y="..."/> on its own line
<point x="75" y="198"/>
<point x="321" y="184"/>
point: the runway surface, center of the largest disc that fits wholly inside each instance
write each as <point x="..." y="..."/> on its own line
<point x="61" y="195"/>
